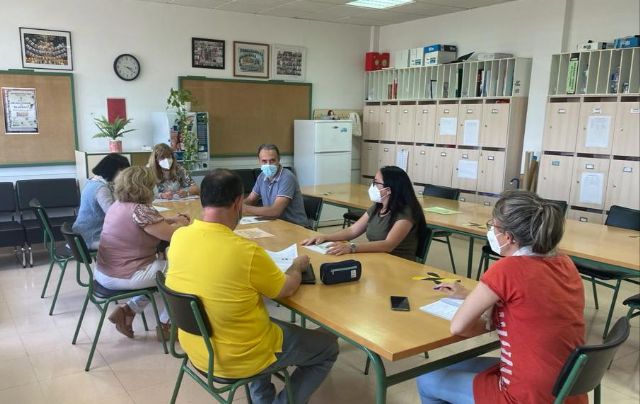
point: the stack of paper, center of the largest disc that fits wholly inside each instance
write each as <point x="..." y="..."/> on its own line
<point x="251" y="220"/>
<point x="320" y="248"/>
<point x="284" y="258"/>
<point x="445" y="308"/>
<point x="252" y="233"/>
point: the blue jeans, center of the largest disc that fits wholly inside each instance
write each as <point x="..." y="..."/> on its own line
<point x="313" y="353"/>
<point x="453" y="384"/>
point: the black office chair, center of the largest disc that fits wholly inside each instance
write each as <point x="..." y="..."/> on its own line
<point x="98" y="294"/>
<point x="442" y="236"/>
<point x="634" y="305"/>
<point x="186" y="313"/>
<point x="313" y="208"/>
<point x="489" y="255"/>
<point x="618" y="217"/>
<point x="12" y="233"/>
<point x="585" y="367"/>
<point x="248" y="177"/>
<point x="351" y="216"/>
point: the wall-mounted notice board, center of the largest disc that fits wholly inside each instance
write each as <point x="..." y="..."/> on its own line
<point x="246" y="113"/>
<point x="49" y="139"/>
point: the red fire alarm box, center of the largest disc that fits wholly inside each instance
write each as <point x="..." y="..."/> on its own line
<point x="384" y="60"/>
<point x="371" y="61"/>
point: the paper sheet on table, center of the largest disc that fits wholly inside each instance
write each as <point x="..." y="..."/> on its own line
<point x="471" y="131"/>
<point x="598" y="131"/>
<point x="448" y="126"/>
<point x="468" y="169"/>
<point x="284" y="258"/>
<point x="591" y="188"/>
<point x="251" y="220"/>
<point x="444" y="308"/>
<point x="440" y="211"/>
<point x="186" y="198"/>
<point x="320" y="248"/>
<point x="402" y="159"/>
<point x="161" y="208"/>
<point x="252" y="233"/>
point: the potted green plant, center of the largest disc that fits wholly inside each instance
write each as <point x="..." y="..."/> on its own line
<point x="180" y="100"/>
<point x="112" y="130"/>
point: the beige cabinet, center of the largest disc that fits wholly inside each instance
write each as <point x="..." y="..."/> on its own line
<point x="622" y="187"/>
<point x="491" y="171"/>
<point x="487" y="200"/>
<point x="555" y="177"/>
<point x="468" y="197"/>
<point x="446" y="123"/>
<point x="370" y="159"/>
<point x="442" y="166"/>
<point x="406" y="117"/>
<point x="561" y="126"/>
<point x="595" y="133"/>
<point x="425" y="124"/>
<point x="626" y="135"/>
<point x="465" y="169"/>
<point x="388" y="122"/>
<point x="387" y="154"/>
<point x="585" y="216"/>
<point x="589" y="182"/>
<point x="469" y="123"/>
<point x="495" y="125"/>
<point x="422" y="167"/>
<point x="371" y="122"/>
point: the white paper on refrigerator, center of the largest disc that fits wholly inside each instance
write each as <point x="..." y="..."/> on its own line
<point x="471" y="131"/>
<point x="468" y="169"/>
<point x="598" y="131"/>
<point x="402" y="159"/>
<point x="591" y="188"/>
<point x="448" y="126"/>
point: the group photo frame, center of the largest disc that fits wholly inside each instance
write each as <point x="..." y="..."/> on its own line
<point x="288" y="62"/>
<point x="208" y="53"/>
<point x="46" y="49"/>
<point x="250" y="59"/>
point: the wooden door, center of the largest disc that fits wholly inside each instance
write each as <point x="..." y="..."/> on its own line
<point x="442" y="166"/>
<point x="589" y="182"/>
<point x="623" y="187"/>
<point x="422" y="164"/>
<point x="388" y="122"/>
<point x="469" y="124"/>
<point x="555" y="177"/>
<point x="446" y="123"/>
<point x="370" y="158"/>
<point x="425" y="122"/>
<point x="561" y="126"/>
<point x="371" y="122"/>
<point x="465" y="169"/>
<point x="495" y="125"/>
<point x="387" y="155"/>
<point x="585" y="216"/>
<point x="406" y="123"/>
<point x="595" y="133"/>
<point x="626" y="135"/>
<point x="491" y="175"/>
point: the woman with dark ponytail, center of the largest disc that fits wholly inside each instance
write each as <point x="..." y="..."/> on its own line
<point x="394" y="223"/>
<point x="534" y="299"/>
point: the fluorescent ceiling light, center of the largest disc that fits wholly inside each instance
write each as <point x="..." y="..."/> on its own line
<point x="379" y="4"/>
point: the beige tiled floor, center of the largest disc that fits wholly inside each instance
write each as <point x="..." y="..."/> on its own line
<point x="38" y="364"/>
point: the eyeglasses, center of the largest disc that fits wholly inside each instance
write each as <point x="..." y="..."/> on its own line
<point x="491" y="224"/>
<point x="376" y="183"/>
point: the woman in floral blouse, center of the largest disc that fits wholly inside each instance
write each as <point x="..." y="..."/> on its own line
<point x="173" y="181"/>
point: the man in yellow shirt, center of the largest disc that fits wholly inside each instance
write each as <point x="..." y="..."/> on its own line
<point x="230" y="274"/>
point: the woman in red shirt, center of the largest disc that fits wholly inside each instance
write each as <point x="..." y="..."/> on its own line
<point x="536" y="301"/>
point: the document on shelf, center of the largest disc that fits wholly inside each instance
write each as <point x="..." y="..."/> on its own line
<point x="252" y="233"/>
<point x="284" y="258"/>
<point x="471" y="131"/>
<point x="444" y="308"/>
<point x="448" y="126"/>
<point x="251" y="220"/>
<point x="591" y="188"/>
<point x="320" y="248"/>
<point x="468" y="169"/>
<point x="598" y="131"/>
<point x="402" y="159"/>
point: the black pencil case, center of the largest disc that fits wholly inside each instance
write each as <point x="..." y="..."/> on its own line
<point x="339" y="272"/>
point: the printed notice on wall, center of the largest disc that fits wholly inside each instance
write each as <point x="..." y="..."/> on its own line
<point x="468" y="169"/>
<point x="20" y="112"/>
<point x="402" y="159"/>
<point x="448" y="126"/>
<point x="471" y="130"/>
<point x="591" y="186"/>
<point x="598" y="131"/>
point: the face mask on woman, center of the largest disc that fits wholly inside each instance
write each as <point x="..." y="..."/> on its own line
<point x="374" y="194"/>
<point x="269" y="170"/>
<point x="165" y="163"/>
<point x="493" y="241"/>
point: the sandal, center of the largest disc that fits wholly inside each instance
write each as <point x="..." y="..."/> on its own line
<point x="122" y="317"/>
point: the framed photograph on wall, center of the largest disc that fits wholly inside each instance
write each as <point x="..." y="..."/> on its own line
<point x="250" y="59"/>
<point x="46" y="49"/>
<point x="207" y="53"/>
<point x="288" y="62"/>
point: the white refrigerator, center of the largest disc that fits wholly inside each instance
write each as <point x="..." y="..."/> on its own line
<point x="322" y="151"/>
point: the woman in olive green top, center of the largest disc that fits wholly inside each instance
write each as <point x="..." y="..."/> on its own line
<point x="393" y="224"/>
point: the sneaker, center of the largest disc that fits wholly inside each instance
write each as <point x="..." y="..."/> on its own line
<point x="122" y="317"/>
<point x="163" y="332"/>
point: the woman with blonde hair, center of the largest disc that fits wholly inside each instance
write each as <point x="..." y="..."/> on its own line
<point x="132" y="230"/>
<point x="172" y="179"/>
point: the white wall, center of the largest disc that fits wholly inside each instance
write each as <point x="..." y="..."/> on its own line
<point x="159" y="35"/>
<point x="526" y="28"/>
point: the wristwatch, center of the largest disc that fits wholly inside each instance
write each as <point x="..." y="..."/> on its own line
<point x="352" y="245"/>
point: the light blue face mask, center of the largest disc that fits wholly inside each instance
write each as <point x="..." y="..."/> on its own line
<point x="269" y="170"/>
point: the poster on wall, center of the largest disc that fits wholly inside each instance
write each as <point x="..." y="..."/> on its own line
<point x="250" y="59"/>
<point x="46" y="49"/>
<point x="289" y="62"/>
<point x="207" y="53"/>
<point x="20" y="110"/>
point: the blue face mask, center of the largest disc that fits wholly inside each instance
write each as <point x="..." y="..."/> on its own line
<point x="269" y="170"/>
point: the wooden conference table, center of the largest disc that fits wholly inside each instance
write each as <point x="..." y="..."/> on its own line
<point x="614" y="248"/>
<point x="359" y="312"/>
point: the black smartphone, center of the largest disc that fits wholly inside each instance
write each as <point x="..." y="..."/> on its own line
<point x="400" y="303"/>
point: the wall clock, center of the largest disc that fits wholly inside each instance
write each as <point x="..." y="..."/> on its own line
<point x="127" y="67"/>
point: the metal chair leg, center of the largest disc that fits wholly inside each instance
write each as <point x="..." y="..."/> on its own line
<point x="595" y="292"/>
<point x="453" y="262"/>
<point x="84" y="308"/>
<point x="155" y="312"/>
<point x="178" y="381"/>
<point x="144" y="321"/>
<point x="63" y="268"/>
<point x="613" y="304"/>
<point x="103" y="311"/>
<point x="596" y="395"/>
<point x="247" y="392"/>
<point x="46" y="281"/>
<point x="367" y="365"/>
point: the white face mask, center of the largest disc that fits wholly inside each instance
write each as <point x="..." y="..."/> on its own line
<point x="493" y="241"/>
<point x="374" y="194"/>
<point x="165" y="163"/>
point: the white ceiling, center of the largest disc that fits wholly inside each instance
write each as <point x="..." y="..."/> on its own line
<point x="336" y="10"/>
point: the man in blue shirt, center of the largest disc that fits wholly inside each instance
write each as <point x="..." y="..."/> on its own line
<point x="278" y="189"/>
